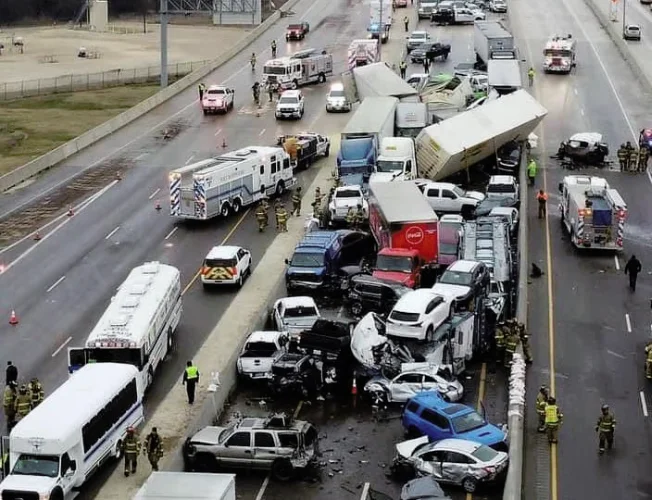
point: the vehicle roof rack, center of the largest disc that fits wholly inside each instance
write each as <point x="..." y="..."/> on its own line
<point x="277" y="421"/>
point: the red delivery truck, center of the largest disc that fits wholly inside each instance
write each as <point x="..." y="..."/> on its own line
<point x="405" y="227"/>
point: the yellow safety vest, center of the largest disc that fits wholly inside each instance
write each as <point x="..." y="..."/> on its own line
<point x="552" y="416"/>
<point x="648" y="351"/>
<point x="192" y="373"/>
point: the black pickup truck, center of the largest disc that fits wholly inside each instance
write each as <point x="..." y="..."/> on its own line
<point x="431" y="51"/>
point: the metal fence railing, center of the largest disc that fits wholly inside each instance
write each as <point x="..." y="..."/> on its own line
<point x="90" y="81"/>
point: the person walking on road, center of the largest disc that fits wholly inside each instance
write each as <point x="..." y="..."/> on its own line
<point x="553" y="419"/>
<point x="542" y="198"/>
<point x="153" y="448"/>
<point x="542" y="401"/>
<point x="531" y="171"/>
<point x="633" y="160"/>
<point x="403" y="69"/>
<point x="530" y="75"/>
<point x="648" y="360"/>
<point x="426" y="65"/>
<point x="643" y="155"/>
<point x="632" y="268"/>
<point x="623" y="156"/>
<point x="606" y="427"/>
<point x="130" y="449"/>
<point x="23" y="403"/>
<point x="190" y="380"/>
<point x="524" y="338"/>
<point x="406" y="22"/>
<point x="261" y="217"/>
<point x="9" y="405"/>
<point x="273" y="49"/>
<point x="511" y="342"/>
<point x="282" y="219"/>
<point x="11" y="373"/>
<point x="202" y="88"/>
<point x="296" y="202"/>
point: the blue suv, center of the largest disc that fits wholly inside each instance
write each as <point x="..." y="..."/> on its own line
<point x="428" y="414"/>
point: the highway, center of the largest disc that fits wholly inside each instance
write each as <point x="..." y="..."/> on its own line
<point x="587" y="329"/>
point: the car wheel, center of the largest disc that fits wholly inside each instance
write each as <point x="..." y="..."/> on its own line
<point x="322" y="78"/>
<point x="280" y="189"/>
<point x="294" y="85"/>
<point x="56" y="495"/>
<point x="356" y="309"/>
<point x="430" y="334"/>
<point x="327" y="152"/>
<point x="469" y="484"/>
<point x="282" y="470"/>
<point x="240" y="280"/>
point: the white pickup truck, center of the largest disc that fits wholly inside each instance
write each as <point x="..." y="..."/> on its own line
<point x="445" y="197"/>
<point x="346" y="197"/>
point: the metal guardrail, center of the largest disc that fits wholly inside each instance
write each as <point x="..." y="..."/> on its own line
<point x="90" y="81"/>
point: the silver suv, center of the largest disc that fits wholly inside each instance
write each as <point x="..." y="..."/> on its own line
<point x="277" y="443"/>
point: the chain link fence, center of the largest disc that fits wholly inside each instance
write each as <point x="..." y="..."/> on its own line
<point x="92" y="81"/>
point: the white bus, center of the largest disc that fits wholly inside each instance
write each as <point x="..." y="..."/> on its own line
<point x="76" y="429"/>
<point x="138" y="326"/>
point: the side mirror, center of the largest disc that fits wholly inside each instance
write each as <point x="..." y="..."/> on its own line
<point x="287" y="262"/>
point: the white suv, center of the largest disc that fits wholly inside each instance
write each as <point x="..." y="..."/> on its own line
<point x="226" y="265"/>
<point x="418" y="314"/>
<point x="290" y="105"/>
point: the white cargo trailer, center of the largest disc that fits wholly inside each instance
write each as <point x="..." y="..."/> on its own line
<point x="186" y="485"/>
<point x="504" y="75"/>
<point x="378" y="80"/>
<point x="492" y="41"/>
<point x="455" y="144"/>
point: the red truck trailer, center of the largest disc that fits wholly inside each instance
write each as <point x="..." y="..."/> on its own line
<point x="405" y="227"/>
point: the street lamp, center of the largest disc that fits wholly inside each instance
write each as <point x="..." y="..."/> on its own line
<point x="624" y="14"/>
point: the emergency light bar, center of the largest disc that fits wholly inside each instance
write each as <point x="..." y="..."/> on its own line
<point x="302" y="54"/>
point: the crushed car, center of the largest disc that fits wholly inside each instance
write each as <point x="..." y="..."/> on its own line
<point x="585" y="148"/>
<point x="294" y="374"/>
<point x="258" y="354"/>
<point x="364" y="293"/>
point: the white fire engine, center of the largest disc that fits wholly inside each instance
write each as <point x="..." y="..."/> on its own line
<point x="306" y="66"/>
<point x="559" y="54"/>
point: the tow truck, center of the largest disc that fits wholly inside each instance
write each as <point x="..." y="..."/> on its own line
<point x="304" y="147"/>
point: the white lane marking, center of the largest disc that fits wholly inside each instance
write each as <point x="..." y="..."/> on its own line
<point x="65" y="343"/>
<point x="189" y="159"/>
<point x="263" y="487"/>
<point x="55" y="284"/>
<point x="219" y="131"/>
<point x="643" y="403"/>
<point x="617" y="262"/>
<point x="76" y="209"/>
<point x="174" y="230"/>
<point x="649" y="176"/>
<point x="262" y="132"/>
<point x="154" y="193"/>
<point x="81" y="207"/>
<point x="582" y="112"/>
<point x="575" y="90"/>
<point x="367" y="486"/>
<point x="615" y="354"/>
<point x="141" y="155"/>
<point x="108" y="236"/>
<point x="629" y="323"/>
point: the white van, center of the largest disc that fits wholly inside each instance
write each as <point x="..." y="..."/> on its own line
<point x="75" y="430"/>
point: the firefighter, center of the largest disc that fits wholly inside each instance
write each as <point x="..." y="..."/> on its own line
<point x="403" y="69"/>
<point x="261" y="217"/>
<point x="359" y="218"/>
<point x="324" y="218"/>
<point x="350" y="217"/>
<point x="36" y="392"/>
<point x="406" y="22"/>
<point x="623" y="157"/>
<point x="9" y="405"/>
<point x="648" y="360"/>
<point x="553" y="419"/>
<point x="605" y="427"/>
<point x="282" y="219"/>
<point x="643" y="155"/>
<point x="202" y="89"/>
<point x="23" y="403"/>
<point x="130" y="449"/>
<point x="633" y="159"/>
<point x="296" y="202"/>
<point x="499" y="342"/>
<point x="511" y="342"/>
<point x="542" y="198"/>
<point x="542" y="401"/>
<point x="318" y="198"/>
<point x="273" y="49"/>
<point x="525" y="342"/>
<point x="153" y="448"/>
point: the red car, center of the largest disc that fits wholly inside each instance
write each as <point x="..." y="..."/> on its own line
<point x="296" y="31"/>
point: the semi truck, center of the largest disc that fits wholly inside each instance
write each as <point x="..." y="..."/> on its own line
<point x="492" y="41"/>
<point x="593" y="213"/>
<point x="458" y="143"/>
<point x="360" y="139"/>
<point x="396" y="162"/>
<point x="405" y="228"/>
<point x="411" y="118"/>
<point x="378" y="80"/>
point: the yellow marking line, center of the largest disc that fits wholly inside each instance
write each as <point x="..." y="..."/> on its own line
<point x="226" y="238"/>
<point x="478" y="405"/>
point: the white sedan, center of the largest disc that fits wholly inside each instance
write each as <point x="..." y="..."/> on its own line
<point x="414" y="378"/>
<point x="418" y="314"/>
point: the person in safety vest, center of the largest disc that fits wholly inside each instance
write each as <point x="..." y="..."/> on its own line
<point x="282" y="218"/>
<point x="648" y="360"/>
<point x="530" y="75"/>
<point x="296" y="202"/>
<point x="153" y="448"/>
<point x="623" y="157"/>
<point x="190" y="380"/>
<point x="130" y="449"/>
<point x="23" y="403"/>
<point x="261" y="216"/>
<point x="36" y="392"/>
<point x="606" y="427"/>
<point x="531" y="171"/>
<point x="511" y="342"/>
<point x="499" y="342"/>
<point x="542" y="401"/>
<point x="553" y="419"/>
<point x="542" y="198"/>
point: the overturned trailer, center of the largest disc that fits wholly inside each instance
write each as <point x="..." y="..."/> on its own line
<point x="377" y="80"/>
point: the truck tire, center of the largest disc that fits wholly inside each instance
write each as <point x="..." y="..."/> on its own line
<point x="294" y="85"/>
<point x="237" y="205"/>
<point x="430" y="333"/>
<point x="280" y="189"/>
<point x="205" y="462"/>
<point x="282" y="470"/>
<point x="321" y="78"/>
<point x="327" y="152"/>
<point x="226" y="208"/>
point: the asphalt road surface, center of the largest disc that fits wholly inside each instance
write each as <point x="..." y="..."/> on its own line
<point x="588" y="330"/>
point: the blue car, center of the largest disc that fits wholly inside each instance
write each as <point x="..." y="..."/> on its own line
<point x="428" y="414"/>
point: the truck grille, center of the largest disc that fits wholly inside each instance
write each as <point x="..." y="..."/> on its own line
<point x="19" y="495"/>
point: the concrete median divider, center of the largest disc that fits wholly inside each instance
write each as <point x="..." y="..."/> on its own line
<point x="216" y="359"/>
<point x="52" y="158"/>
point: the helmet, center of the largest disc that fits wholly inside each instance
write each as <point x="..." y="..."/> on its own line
<point x="605" y="408"/>
<point x="299" y="188"/>
<point x="23" y="388"/>
<point x="130" y="430"/>
<point x="543" y="388"/>
<point x="552" y="400"/>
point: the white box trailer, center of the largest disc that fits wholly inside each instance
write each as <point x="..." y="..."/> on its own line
<point x="455" y="144"/>
<point x="504" y="75"/>
<point x="492" y="41"/>
<point x="378" y="8"/>
<point x="186" y="485"/>
<point x="377" y="80"/>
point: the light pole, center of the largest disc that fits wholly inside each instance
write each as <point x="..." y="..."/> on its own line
<point x="164" y="43"/>
<point x="624" y="14"/>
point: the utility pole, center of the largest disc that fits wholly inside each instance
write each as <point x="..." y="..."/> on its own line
<point x="624" y="15"/>
<point x="144" y="4"/>
<point x="164" y="43"/>
<point x="381" y="29"/>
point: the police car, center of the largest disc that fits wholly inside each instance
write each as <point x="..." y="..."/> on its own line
<point x="226" y="265"/>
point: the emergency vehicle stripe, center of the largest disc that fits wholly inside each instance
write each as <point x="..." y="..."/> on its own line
<point x="580" y="228"/>
<point x="175" y="194"/>
<point x="621" y="231"/>
<point x="200" y="199"/>
<point x="352" y="58"/>
<point x="219" y="273"/>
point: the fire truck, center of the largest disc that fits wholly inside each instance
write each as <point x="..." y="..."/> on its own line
<point x="559" y="54"/>
<point x="301" y="68"/>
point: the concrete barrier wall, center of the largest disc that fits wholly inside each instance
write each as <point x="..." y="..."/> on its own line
<point x="48" y="160"/>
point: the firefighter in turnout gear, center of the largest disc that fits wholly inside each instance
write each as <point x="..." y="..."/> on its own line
<point x="282" y="219"/>
<point x="511" y="342"/>
<point x="643" y="155"/>
<point x="525" y="342"/>
<point x="542" y="401"/>
<point x="350" y="217"/>
<point x="318" y="198"/>
<point x="277" y="207"/>
<point x="633" y="160"/>
<point x="403" y="69"/>
<point x="605" y="428"/>
<point x="9" y="405"/>
<point x="499" y="342"/>
<point x="261" y="217"/>
<point x="296" y="202"/>
<point x="130" y="449"/>
<point x="153" y="448"/>
<point x="23" y="403"/>
<point x="623" y="157"/>
<point x="553" y="419"/>
<point x="358" y="218"/>
<point x="648" y="360"/>
<point x="36" y="392"/>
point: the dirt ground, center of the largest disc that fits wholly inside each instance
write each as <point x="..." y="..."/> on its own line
<point x="52" y="51"/>
<point x="33" y="126"/>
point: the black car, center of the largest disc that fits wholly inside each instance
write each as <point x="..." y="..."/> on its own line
<point x="443" y="16"/>
<point x="431" y="51"/>
<point x="368" y="294"/>
<point x="292" y="373"/>
<point x="508" y="158"/>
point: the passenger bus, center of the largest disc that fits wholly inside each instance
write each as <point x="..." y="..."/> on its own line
<point x="138" y="326"/>
<point x="73" y="432"/>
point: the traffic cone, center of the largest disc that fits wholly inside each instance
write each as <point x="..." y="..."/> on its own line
<point x="158" y="205"/>
<point x="354" y="387"/>
<point x="223" y="142"/>
<point x="13" y="319"/>
<point x="71" y="212"/>
<point x="37" y="236"/>
<point x="118" y="176"/>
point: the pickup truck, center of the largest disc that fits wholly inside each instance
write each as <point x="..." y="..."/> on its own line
<point x="430" y="51"/>
<point x="415" y="39"/>
<point x="297" y="31"/>
<point x="447" y="197"/>
<point x="217" y="99"/>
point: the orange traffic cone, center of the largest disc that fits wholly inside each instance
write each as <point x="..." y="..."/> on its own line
<point x="223" y="142"/>
<point x="37" y="236"/>
<point x="71" y="212"/>
<point x="354" y="387"/>
<point x="118" y="176"/>
<point x="158" y="205"/>
<point x="13" y="319"/>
